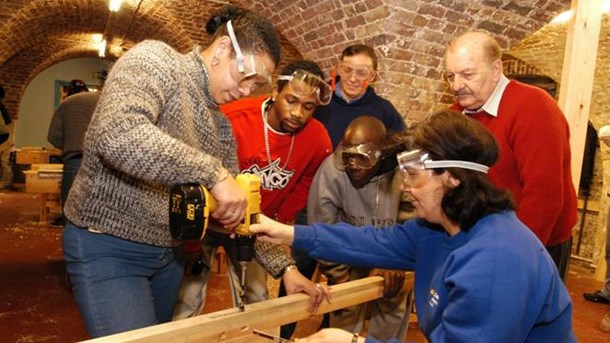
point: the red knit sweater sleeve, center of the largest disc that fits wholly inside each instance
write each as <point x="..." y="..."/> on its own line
<point x="539" y="138"/>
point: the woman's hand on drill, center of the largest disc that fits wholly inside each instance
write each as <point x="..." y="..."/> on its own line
<point x="231" y="201"/>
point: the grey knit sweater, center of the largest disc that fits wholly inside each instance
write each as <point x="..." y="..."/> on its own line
<point x="155" y="125"/>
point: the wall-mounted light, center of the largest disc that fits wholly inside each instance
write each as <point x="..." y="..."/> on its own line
<point x="565" y="16"/>
<point x="115" y="5"/>
<point x="101" y="52"/>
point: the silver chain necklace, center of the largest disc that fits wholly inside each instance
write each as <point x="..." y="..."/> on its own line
<point x="266" y="133"/>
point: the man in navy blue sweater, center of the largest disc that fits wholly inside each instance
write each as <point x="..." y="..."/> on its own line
<point x="353" y="97"/>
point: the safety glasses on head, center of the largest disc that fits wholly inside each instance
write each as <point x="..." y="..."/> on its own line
<point x="410" y="162"/>
<point x="307" y="83"/>
<point x="363" y="156"/>
<point x="361" y="72"/>
<point x="246" y="71"/>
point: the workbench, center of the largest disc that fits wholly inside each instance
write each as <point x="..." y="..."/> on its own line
<point x="45" y="179"/>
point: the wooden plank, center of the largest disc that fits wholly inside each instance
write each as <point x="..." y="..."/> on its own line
<point x="578" y="73"/>
<point x="234" y="325"/>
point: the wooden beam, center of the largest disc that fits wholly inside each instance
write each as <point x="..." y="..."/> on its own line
<point x="578" y="73"/>
<point x="234" y="325"/>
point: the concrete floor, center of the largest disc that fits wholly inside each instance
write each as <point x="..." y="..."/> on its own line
<point x="37" y="305"/>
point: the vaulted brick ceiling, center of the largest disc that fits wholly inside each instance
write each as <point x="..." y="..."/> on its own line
<point x="408" y="35"/>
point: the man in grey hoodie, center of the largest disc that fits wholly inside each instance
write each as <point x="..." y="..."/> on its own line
<point x="359" y="185"/>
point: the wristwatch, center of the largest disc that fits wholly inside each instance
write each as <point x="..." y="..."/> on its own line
<point x="287" y="269"/>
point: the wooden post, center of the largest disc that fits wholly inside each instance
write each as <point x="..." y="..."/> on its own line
<point x="43" y="209"/>
<point x="577" y="75"/>
<point x="234" y="325"/>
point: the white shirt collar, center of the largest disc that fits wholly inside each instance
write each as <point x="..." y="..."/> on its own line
<point x="493" y="103"/>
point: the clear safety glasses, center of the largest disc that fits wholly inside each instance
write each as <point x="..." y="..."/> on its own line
<point x="413" y="162"/>
<point x="246" y="71"/>
<point x="362" y="156"/>
<point x="307" y="83"/>
<point x="360" y="72"/>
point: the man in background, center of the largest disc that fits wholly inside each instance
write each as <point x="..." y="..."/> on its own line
<point x="67" y="130"/>
<point x="353" y="95"/>
<point x="533" y="136"/>
<point x="6" y="143"/>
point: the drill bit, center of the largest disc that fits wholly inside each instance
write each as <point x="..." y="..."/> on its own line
<point x="242" y="294"/>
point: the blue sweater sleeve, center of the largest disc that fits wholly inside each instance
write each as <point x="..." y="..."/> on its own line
<point x="367" y="247"/>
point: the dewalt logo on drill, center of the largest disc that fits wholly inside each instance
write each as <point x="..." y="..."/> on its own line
<point x="175" y="204"/>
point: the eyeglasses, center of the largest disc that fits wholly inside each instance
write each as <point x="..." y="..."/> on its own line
<point x="360" y="72"/>
<point x="247" y="73"/>
<point x="362" y="156"/>
<point x="307" y="83"/>
<point x="412" y="162"/>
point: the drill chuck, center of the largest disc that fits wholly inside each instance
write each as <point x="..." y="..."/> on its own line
<point x="245" y="247"/>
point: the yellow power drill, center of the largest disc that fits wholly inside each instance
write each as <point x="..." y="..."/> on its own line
<point x="191" y="205"/>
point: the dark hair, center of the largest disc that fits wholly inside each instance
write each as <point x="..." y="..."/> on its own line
<point x="2" y="92"/>
<point x="450" y="135"/>
<point x="358" y="49"/>
<point x="305" y="65"/>
<point x="77" y="86"/>
<point x="395" y="143"/>
<point x="253" y="32"/>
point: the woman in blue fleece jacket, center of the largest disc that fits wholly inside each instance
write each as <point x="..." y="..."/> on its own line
<point x="480" y="274"/>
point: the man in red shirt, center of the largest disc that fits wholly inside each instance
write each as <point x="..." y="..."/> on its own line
<point x="278" y="140"/>
<point x="533" y="135"/>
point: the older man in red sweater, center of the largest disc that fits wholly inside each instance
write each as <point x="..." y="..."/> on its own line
<point x="533" y="135"/>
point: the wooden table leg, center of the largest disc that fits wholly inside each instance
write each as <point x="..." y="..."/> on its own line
<point x="43" y="208"/>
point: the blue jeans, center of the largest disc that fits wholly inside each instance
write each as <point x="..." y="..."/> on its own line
<point x="71" y="166"/>
<point x="120" y="285"/>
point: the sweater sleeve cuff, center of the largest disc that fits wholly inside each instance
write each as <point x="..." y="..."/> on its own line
<point x="222" y="175"/>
